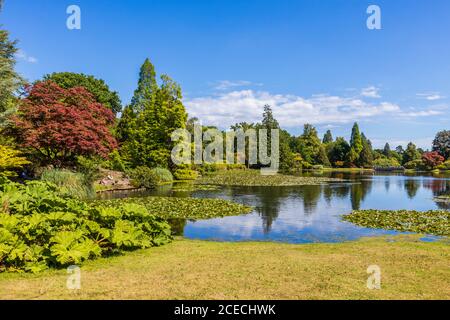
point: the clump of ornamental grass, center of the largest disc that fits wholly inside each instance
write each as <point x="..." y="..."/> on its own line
<point x="75" y="184"/>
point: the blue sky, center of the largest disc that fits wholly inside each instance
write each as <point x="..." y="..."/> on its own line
<point x="313" y="61"/>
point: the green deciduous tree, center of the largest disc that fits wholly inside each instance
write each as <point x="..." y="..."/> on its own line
<point x="97" y="87"/>
<point x="411" y="153"/>
<point x="337" y="151"/>
<point x="147" y="123"/>
<point x="308" y="144"/>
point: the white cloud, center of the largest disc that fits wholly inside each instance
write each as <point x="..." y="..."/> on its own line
<point x="370" y="92"/>
<point x="225" y="109"/>
<point x="227" y="84"/>
<point x="423" y="143"/>
<point x="22" y="55"/>
<point x="425" y="113"/>
<point x="431" y="96"/>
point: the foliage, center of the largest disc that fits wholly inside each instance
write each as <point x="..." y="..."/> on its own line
<point x="75" y="184"/>
<point x="115" y="162"/>
<point x="147" y="124"/>
<point x="308" y="144"/>
<point x="207" y="168"/>
<point x="10" y="81"/>
<point x="10" y="160"/>
<point x="60" y="124"/>
<point x="185" y="208"/>
<point x="352" y="157"/>
<point x="411" y="153"/>
<point x="356" y="141"/>
<point x="185" y="174"/>
<point x="417" y="164"/>
<point x="432" y="159"/>
<point x="97" y="87"/>
<point x="143" y="177"/>
<point x="236" y="166"/>
<point x="254" y="178"/>
<point x="387" y="150"/>
<point x="338" y="150"/>
<point x="322" y="158"/>
<point x="429" y="222"/>
<point x="328" y="137"/>
<point x="441" y="143"/>
<point x="40" y="228"/>
<point x="444" y="166"/>
<point x="366" y="155"/>
<point x="90" y="167"/>
<point x="163" y="175"/>
<point x="386" y="163"/>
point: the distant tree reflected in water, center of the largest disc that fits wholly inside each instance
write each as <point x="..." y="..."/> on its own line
<point x="411" y="187"/>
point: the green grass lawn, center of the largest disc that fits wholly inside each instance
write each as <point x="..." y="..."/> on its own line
<point x="187" y="269"/>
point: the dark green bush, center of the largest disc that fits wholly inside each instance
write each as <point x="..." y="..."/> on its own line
<point x="163" y="175"/>
<point x="143" y="177"/>
<point x="41" y="228"/>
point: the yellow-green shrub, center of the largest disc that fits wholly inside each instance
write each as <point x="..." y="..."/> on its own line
<point x="185" y="174"/>
<point x="444" y="166"/>
<point x="10" y="160"/>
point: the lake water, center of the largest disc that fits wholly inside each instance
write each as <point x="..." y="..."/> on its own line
<point x="309" y="214"/>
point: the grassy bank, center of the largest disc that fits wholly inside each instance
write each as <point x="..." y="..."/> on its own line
<point x="255" y="178"/>
<point x="211" y="270"/>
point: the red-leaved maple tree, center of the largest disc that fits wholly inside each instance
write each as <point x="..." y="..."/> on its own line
<point x="432" y="159"/>
<point x="63" y="123"/>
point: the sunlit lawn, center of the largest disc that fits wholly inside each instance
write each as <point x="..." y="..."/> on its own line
<point x="189" y="269"/>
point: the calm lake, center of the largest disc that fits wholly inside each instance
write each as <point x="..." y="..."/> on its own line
<point x="310" y="213"/>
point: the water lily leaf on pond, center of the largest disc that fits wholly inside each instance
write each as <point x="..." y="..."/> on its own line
<point x="186" y="208"/>
<point x="255" y="178"/>
<point x="434" y="222"/>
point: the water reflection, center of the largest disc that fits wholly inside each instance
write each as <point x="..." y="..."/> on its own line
<point x="312" y="213"/>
